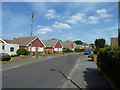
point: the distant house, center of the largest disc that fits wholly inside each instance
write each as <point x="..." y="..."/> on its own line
<point x="83" y="46"/>
<point x="53" y="46"/>
<point x="7" y="47"/>
<point x="69" y="45"/>
<point x="78" y="46"/>
<point x="114" y="41"/>
<point x="37" y="46"/>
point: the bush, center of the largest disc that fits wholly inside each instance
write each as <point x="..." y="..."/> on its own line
<point x="68" y="50"/>
<point x="95" y="51"/>
<point x="38" y="55"/>
<point x="79" y="50"/>
<point x="108" y="60"/>
<point x="22" y="51"/>
<point x="6" y="57"/>
<point x="91" y="55"/>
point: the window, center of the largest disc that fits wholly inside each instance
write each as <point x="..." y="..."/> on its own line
<point x="55" y="49"/>
<point x="40" y="49"/>
<point x="82" y="46"/>
<point x="60" y="49"/>
<point x="3" y="47"/>
<point x="33" y="48"/>
<point x="11" y="49"/>
<point x="87" y="46"/>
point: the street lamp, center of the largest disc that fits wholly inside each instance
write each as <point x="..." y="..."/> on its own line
<point x="66" y="78"/>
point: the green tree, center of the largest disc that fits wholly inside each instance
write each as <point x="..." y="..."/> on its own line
<point x="99" y="43"/>
<point x="54" y="39"/>
<point x="92" y="45"/>
<point x="79" y="42"/>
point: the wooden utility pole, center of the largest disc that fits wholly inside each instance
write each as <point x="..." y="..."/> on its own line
<point x="31" y="33"/>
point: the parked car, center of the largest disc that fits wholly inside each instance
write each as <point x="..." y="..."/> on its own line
<point x="87" y="52"/>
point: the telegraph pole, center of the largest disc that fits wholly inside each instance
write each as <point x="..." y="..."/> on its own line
<point x="31" y="33"/>
<point x="119" y="23"/>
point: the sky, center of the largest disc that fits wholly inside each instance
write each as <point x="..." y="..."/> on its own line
<point x="85" y="21"/>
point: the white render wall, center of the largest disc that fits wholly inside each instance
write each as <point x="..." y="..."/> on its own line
<point x="7" y="48"/>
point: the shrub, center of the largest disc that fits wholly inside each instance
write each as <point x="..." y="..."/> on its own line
<point x="6" y="57"/>
<point x="68" y="50"/>
<point x="91" y="55"/>
<point x="95" y="51"/>
<point x="22" y="51"/>
<point x="55" y="52"/>
<point x="108" y="60"/>
<point x="77" y="50"/>
<point x="38" y="55"/>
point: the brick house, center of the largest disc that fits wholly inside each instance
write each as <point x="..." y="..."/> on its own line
<point x="69" y="45"/>
<point x="85" y="46"/>
<point x="37" y="46"/>
<point x="114" y="41"/>
<point x="53" y="46"/>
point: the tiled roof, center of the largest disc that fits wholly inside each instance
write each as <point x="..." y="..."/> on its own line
<point x="49" y="43"/>
<point x="66" y="44"/>
<point x="78" y="46"/>
<point x="22" y="41"/>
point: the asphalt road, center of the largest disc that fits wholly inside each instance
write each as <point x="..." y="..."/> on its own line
<point x="39" y="75"/>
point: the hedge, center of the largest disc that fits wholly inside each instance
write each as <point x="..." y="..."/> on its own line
<point x="22" y="51"/>
<point x="108" y="60"/>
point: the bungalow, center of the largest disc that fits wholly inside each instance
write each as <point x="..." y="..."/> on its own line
<point x="114" y="41"/>
<point x="37" y="46"/>
<point x="7" y="47"/>
<point x="53" y="46"/>
<point x="85" y="46"/>
<point x="69" y="45"/>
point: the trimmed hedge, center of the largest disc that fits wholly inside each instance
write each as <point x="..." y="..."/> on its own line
<point x="68" y="50"/>
<point x="79" y="50"/>
<point x="22" y="51"/>
<point x="108" y="60"/>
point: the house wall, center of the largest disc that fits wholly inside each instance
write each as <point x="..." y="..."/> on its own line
<point x="114" y="41"/>
<point x="7" y="48"/>
<point x="58" y="47"/>
<point x="49" y="49"/>
<point x="72" y="46"/>
<point x="36" y="43"/>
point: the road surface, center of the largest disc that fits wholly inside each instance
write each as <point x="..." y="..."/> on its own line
<point x="38" y="74"/>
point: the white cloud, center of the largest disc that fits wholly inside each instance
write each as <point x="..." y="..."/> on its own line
<point x="103" y="13"/>
<point x="69" y="37"/>
<point x="51" y="13"/>
<point x="93" y="20"/>
<point x="75" y="18"/>
<point x="61" y="25"/>
<point x="43" y="30"/>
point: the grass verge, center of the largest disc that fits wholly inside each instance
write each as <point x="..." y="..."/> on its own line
<point x="16" y="60"/>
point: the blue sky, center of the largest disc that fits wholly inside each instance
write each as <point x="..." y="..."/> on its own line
<point x="84" y="21"/>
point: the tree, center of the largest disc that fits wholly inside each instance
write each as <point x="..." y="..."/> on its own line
<point x="68" y="41"/>
<point x="54" y="39"/>
<point x="79" y="42"/>
<point x="99" y="43"/>
<point x="92" y="45"/>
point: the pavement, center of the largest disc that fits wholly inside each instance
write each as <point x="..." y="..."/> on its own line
<point x="36" y="73"/>
<point x="86" y="75"/>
